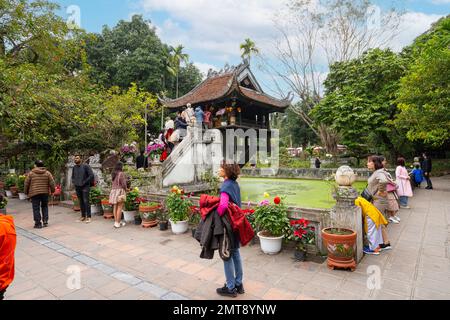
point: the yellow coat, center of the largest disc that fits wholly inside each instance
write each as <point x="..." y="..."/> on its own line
<point x="369" y="210"/>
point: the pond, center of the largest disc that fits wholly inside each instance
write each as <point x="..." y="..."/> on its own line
<point x="298" y="192"/>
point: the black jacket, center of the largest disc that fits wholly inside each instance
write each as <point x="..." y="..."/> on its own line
<point x="426" y="165"/>
<point x="82" y="175"/>
<point x="141" y="162"/>
<point x="216" y="233"/>
<point x="180" y="123"/>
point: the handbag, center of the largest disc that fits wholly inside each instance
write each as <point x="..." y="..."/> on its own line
<point x="367" y="195"/>
<point x="391" y="187"/>
<point x="122" y="198"/>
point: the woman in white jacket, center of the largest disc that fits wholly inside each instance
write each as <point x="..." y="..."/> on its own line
<point x="404" y="190"/>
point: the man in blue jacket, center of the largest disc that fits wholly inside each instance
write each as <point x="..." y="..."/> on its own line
<point x="82" y="178"/>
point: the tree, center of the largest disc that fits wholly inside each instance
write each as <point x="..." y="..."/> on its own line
<point x="335" y="29"/>
<point x="248" y="48"/>
<point x="178" y="56"/>
<point x="293" y="131"/>
<point x="424" y="92"/>
<point x="360" y="100"/>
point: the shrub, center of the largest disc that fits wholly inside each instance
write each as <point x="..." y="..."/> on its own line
<point x="272" y="218"/>
<point x="10" y="181"/>
<point x="178" y="205"/>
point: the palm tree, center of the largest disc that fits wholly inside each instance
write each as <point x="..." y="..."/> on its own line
<point x="248" y="48"/>
<point x="167" y="61"/>
<point x="177" y="57"/>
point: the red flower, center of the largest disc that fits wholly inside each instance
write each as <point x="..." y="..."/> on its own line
<point x="277" y="200"/>
<point x="299" y="233"/>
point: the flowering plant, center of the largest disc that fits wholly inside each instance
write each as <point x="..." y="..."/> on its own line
<point x="155" y="149"/>
<point x="3" y="201"/>
<point x="129" y="150"/>
<point x="132" y="201"/>
<point x="303" y="233"/>
<point x="272" y="218"/>
<point x="21" y="183"/>
<point x="178" y="205"/>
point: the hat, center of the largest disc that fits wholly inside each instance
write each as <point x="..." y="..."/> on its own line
<point x="188" y="105"/>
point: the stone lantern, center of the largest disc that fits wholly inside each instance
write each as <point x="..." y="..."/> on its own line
<point x="345" y="214"/>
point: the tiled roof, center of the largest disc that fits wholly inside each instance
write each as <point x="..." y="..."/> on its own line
<point x="264" y="98"/>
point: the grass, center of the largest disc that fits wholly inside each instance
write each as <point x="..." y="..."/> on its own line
<point x="298" y="192"/>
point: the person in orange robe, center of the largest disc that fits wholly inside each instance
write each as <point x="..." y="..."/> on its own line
<point x="7" y="247"/>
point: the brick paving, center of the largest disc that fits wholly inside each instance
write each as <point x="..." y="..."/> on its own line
<point x="134" y="263"/>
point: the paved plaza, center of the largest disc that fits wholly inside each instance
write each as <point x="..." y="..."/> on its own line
<point x="134" y="263"/>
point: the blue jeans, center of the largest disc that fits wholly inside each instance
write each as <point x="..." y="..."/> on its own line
<point x="233" y="269"/>
<point x="403" y="201"/>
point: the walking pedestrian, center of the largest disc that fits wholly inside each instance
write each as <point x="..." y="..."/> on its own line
<point x="118" y="193"/>
<point x="8" y="240"/>
<point x="317" y="163"/>
<point x="426" y="167"/>
<point x="404" y="184"/>
<point x="82" y="179"/>
<point x="39" y="184"/>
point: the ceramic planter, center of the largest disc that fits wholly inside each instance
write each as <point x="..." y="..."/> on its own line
<point x="149" y="215"/>
<point x="179" y="227"/>
<point x="96" y="209"/>
<point x="270" y="245"/>
<point x="128" y="216"/>
<point x="22" y="196"/>
<point x="8" y="193"/>
<point x="341" y="248"/>
<point x="129" y="160"/>
<point x="76" y="203"/>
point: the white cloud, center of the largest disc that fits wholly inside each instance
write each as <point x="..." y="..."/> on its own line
<point x="204" y="67"/>
<point x="440" y="1"/>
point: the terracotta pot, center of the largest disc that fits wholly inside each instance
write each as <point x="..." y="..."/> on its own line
<point x="76" y="203"/>
<point x="149" y="209"/>
<point x="146" y="223"/>
<point x="14" y="190"/>
<point x="341" y="248"/>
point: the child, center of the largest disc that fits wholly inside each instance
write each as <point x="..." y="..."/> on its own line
<point x="417" y="173"/>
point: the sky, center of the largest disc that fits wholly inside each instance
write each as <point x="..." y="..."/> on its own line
<point x="211" y="30"/>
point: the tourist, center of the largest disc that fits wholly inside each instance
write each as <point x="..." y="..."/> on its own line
<point x="82" y="179"/>
<point x="199" y="115"/>
<point x="141" y="160"/>
<point x="207" y="118"/>
<point x="392" y="196"/>
<point x="417" y="175"/>
<point x="180" y="129"/>
<point x="404" y="185"/>
<point x="318" y="163"/>
<point x="376" y="187"/>
<point x="374" y="222"/>
<point x="118" y="193"/>
<point x="426" y="167"/>
<point x="230" y="192"/>
<point x="7" y="245"/>
<point x="38" y="184"/>
<point x="169" y="124"/>
<point x="190" y="115"/>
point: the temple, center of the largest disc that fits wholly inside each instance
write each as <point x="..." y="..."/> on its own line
<point x="239" y="110"/>
<point x="235" y="99"/>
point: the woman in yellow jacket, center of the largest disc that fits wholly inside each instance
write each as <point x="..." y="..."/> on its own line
<point x="374" y="227"/>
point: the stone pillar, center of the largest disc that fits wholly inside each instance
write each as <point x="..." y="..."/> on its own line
<point x="345" y="214"/>
<point x="67" y="187"/>
<point x="96" y="167"/>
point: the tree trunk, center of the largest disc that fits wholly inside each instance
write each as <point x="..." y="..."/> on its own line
<point x="329" y="138"/>
<point x="177" y="85"/>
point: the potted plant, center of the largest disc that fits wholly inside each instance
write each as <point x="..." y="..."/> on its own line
<point x="341" y="247"/>
<point x="303" y="233"/>
<point x="10" y="182"/>
<point x="95" y="196"/>
<point x="163" y="219"/>
<point x="149" y="213"/>
<point x="21" y="187"/>
<point x="55" y="198"/>
<point x="155" y="149"/>
<point x="272" y="220"/>
<point x="129" y="151"/>
<point x="179" y="207"/>
<point x="194" y="219"/>
<point x="131" y="205"/>
<point x="107" y="209"/>
<point x="76" y="202"/>
<point x="3" y="203"/>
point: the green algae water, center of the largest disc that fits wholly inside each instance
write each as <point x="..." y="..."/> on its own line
<point x="298" y="192"/>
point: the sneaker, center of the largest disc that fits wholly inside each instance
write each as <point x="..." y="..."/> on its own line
<point x="391" y="219"/>
<point x="367" y="250"/>
<point x="397" y="218"/>
<point x="224" y="291"/>
<point x="38" y="226"/>
<point x="405" y="207"/>
<point x="45" y="224"/>
<point x="88" y="220"/>
<point x="240" y="289"/>
<point x="82" y="219"/>
<point x="116" y="225"/>
<point x="386" y="246"/>
<point x="429" y="188"/>
<point x="123" y="223"/>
